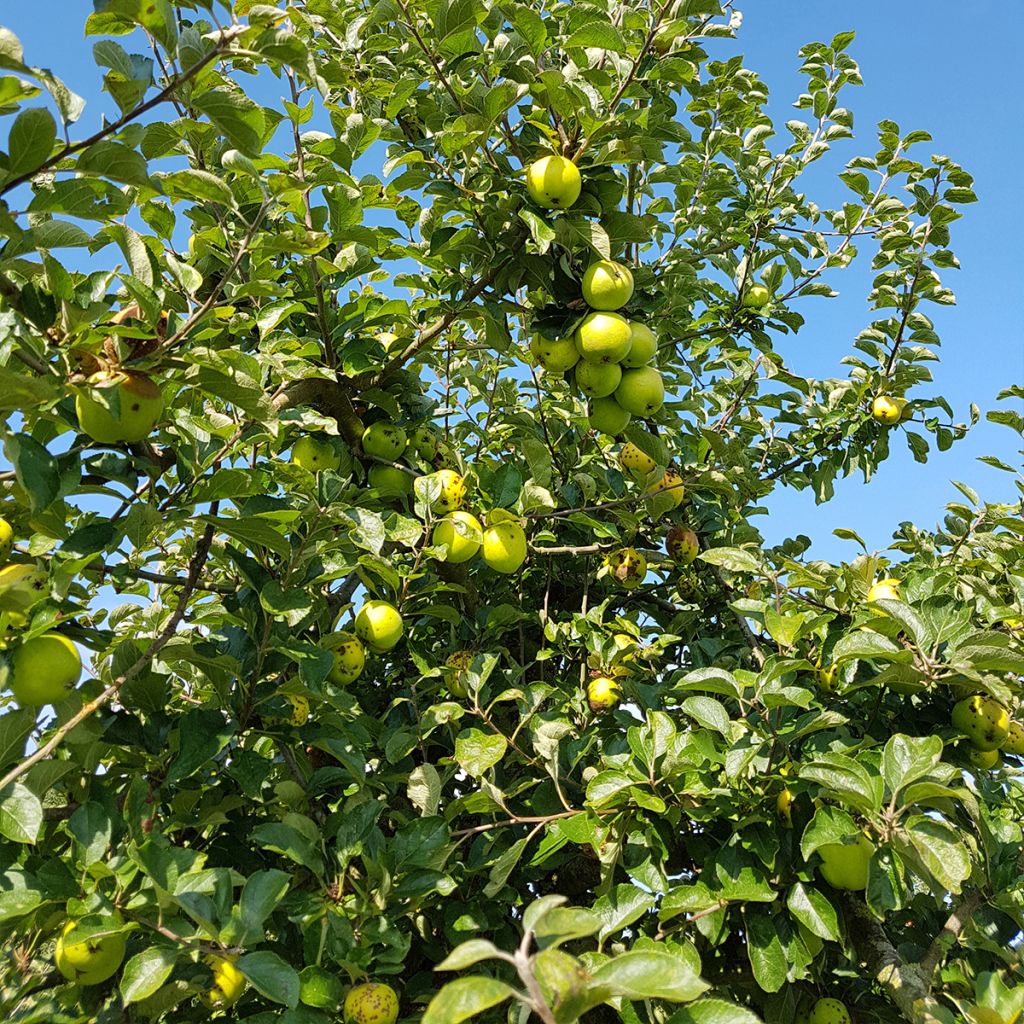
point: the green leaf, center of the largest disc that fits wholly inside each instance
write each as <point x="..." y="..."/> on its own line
<point x="262" y="892"/>
<point x="813" y="910"/>
<point x="622" y="906"/>
<point x="271" y="977"/>
<point x="709" y="712"/>
<point x="424" y="789"/>
<point x="464" y="998"/>
<point x="21" y="813"/>
<point x="31" y="140"/>
<point x="940" y="851"/>
<point x="908" y="758"/>
<point x="599" y="34"/>
<point x="15" y="728"/>
<point x="204" y="734"/>
<point x="145" y="972"/>
<point x="237" y="116"/>
<point x="92" y="828"/>
<point x="733" y="559"/>
<point x="713" y="1011"/>
<point x="291" y="605"/>
<point x="846" y="780"/>
<point x="765" y="952"/>
<point x="650" y="975"/>
<point x="477" y="751"/>
<point x="114" y="161"/>
<point x="467" y="954"/>
<point x="36" y="469"/>
<point x="829" y="825"/>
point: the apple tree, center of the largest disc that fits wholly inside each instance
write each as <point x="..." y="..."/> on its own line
<point x="390" y="393"/>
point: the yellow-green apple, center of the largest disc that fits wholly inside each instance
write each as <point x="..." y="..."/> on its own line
<point x="457" y="673"/>
<point x="348" y="660"/>
<point x="504" y="546"/>
<point x="830" y="1011"/>
<point x="46" y="668"/>
<point x="627" y="567"/>
<point x="425" y="442"/>
<point x="845" y="865"/>
<point x="681" y="544"/>
<point x="888" y="410"/>
<point x="983" y="759"/>
<point x="553" y="182"/>
<point x="603" y="337"/>
<point x="118" y="406"/>
<point x="641" y="391"/>
<point x="315" y="453"/>
<point x="607" y="416"/>
<point x="384" y="440"/>
<point x="643" y="345"/>
<point x="21" y="586"/>
<point x="603" y="693"/>
<point x="453" y="490"/>
<point x="884" y="590"/>
<point x="379" y="625"/>
<point x="371" y="1003"/>
<point x="6" y="540"/>
<point x="607" y="285"/>
<point x="984" y="721"/>
<point x="461" y="536"/>
<point x="597" y="380"/>
<point x="784" y="808"/>
<point x="390" y="481"/>
<point x="554" y="356"/>
<point x="756" y="296"/>
<point x="228" y="983"/>
<point x="1014" y="742"/>
<point x="670" y="486"/>
<point x="635" y="462"/>
<point x="91" y="960"/>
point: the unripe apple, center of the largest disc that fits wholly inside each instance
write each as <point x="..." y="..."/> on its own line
<point x="390" y="481"/>
<point x="984" y="721"/>
<point x="379" y="625"/>
<point x="22" y="586"/>
<point x="641" y="391"/>
<point x="607" y="416"/>
<point x="314" y="454"/>
<point x="555" y="356"/>
<point x="627" y="567"/>
<point x="228" y="983"/>
<point x="603" y="337"/>
<point x="607" y="285"/>
<point x="670" y="486"/>
<point x="349" y="659"/>
<point x="643" y="345"/>
<point x="300" y="708"/>
<point x="888" y="410"/>
<point x="453" y="491"/>
<point x="985" y="760"/>
<point x="682" y="545"/>
<point x="885" y="590"/>
<point x="845" y="865"/>
<point x="6" y="540"/>
<point x="504" y="546"/>
<point x="94" y="959"/>
<point x="425" y="442"/>
<point x="830" y="1011"/>
<point x="553" y="182"/>
<point x="384" y="440"/>
<point x="756" y="296"/>
<point x="457" y="666"/>
<point x="597" y="380"/>
<point x="372" y="1003"/>
<point x="119" y="406"/>
<point x="635" y="462"/>
<point x="603" y="693"/>
<point x="1014" y="743"/>
<point x="784" y="808"/>
<point x="46" y="668"/>
<point x="459" y="547"/>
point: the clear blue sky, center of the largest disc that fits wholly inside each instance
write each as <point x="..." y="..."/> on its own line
<point x="937" y="67"/>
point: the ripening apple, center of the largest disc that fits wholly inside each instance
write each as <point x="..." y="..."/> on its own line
<point x="682" y="545"/>
<point x="379" y="625"/>
<point x="384" y="440"/>
<point x="756" y="296"/>
<point x="425" y="442"/>
<point x="315" y="454"/>
<point x="119" y="406"/>
<point x="349" y="660"/>
<point x="984" y="721"/>
<point x="93" y="959"/>
<point x="634" y="462"/>
<point x="641" y="391"/>
<point x="825" y="676"/>
<point x="1014" y="742"/>
<point x="453" y="491"/>
<point x="459" y="547"/>
<point x="46" y="668"/>
<point x="371" y="1003"/>
<point x="884" y="590"/>
<point x="670" y="486"/>
<point x="504" y="546"/>
<point x="554" y="182"/>
<point x="607" y="416"/>
<point x="22" y="586"/>
<point x="603" y="337"/>
<point x="627" y="567"/>
<point x="603" y="693"/>
<point x="607" y="285"/>
<point x="390" y="481"/>
<point x="597" y="380"/>
<point x="985" y="760"/>
<point x="887" y="410"/>
<point x="555" y="356"/>
<point x="6" y="540"/>
<point x="643" y="345"/>
<point x="830" y="1011"/>
<point x="457" y="665"/>
<point x="845" y="865"/>
<point x="300" y="708"/>
<point x="228" y="983"/>
<point x="784" y="808"/>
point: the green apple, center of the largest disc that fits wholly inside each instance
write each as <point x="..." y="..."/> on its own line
<point x="607" y="416"/>
<point x="6" y="540"/>
<point x="22" y="586"/>
<point x="371" y="1003"/>
<point x="457" y="670"/>
<point x="603" y="337"/>
<point x="681" y="544"/>
<point x="887" y="410"/>
<point x="459" y="547"/>
<point x="453" y="491"/>
<point x="641" y="391"/>
<point x="390" y="481"/>
<point x="845" y="865"/>
<point x="985" y="760"/>
<point x="1014" y="743"/>
<point x="554" y="356"/>
<point x="349" y="660"/>
<point x="45" y="669"/>
<point x="627" y="567"/>
<point x="228" y="983"/>
<point x="92" y="960"/>
<point x="384" y="440"/>
<point x="603" y="693"/>
<point x="607" y="285"/>
<point x="597" y="380"/>
<point x="756" y="296"/>
<point x="425" y="442"/>
<point x="884" y="590"/>
<point x="634" y="462"/>
<point x="984" y="721"/>
<point x="669" y="486"/>
<point x="315" y="453"/>
<point x="119" y="406"/>
<point x="830" y="1011"/>
<point x="504" y="546"/>
<point x="554" y="182"/>
<point x="379" y="625"/>
<point x="643" y="345"/>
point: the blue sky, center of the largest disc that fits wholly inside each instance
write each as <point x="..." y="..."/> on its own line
<point x="924" y="67"/>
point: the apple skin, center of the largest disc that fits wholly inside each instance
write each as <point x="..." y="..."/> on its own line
<point x="845" y="865"/>
<point x="597" y="380"/>
<point x="22" y="586"/>
<point x="315" y="454"/>
<point x="228" y="984"/>
<point x="682" y="545"/>
<point x="6" y="541"/>
<point x="830" y="1011"/>
<point x="138" y="406"/>
<point x="641" y="391"/>
<point x="349" y="660"/>
<point x="554" y="182"/>
<point x="453" y="491"/>
<point x="89" y="962"/>
<point x="643" y="346"/>
<point x="985" y="760"/>
<point x="887" y="410"/>
<point x="390" y="481"/>
<point x="603" y="337"/>
<point x="884" y="590"/>
<point x="459" y="548"/>
<point x="425" y="442"/>
<point x="603" y="694"/>
<point x="300" y="709"/>
<point x="1014" y="743"/>
<point x="384" y="440"/>
<point x="457" y="665"/>
<point x="608" y="417"/>
<point x="555" y="356"/>
<point x="379" y="625"/>
<point x="504" y="546"/>
<point x="756" y="296"/>
<point x="627" y="567"/>
<point x="46" y="668"/>
<point x="784" y="808"/>
<point x="670" y="486"/>
<point x="372" y="1003"/>
<point x="607" y="285"/>
<point x="635" y="462"/>
<point x="984" y="721"/>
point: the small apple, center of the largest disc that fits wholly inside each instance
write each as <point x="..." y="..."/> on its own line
<point x="315" y="454"/>
<point x="756" y="296"/>
<point x="384" y="440"/>
<point x="6" y="540"/>
<point x="627" y="567"/>
<point x="390" y="481"/>
<point x="46" y="668"/>
<point x="1014" y="743"/>
<point x="607" y="416"/>
<point x="887" y="410"/>
<point x="453" y="491"/>
<point x="603" y="337"/>
<point x="669" y="486"/>
<point x="641" y="391"/>
<point x="682" y="544"/>
<point x="379" y="625"/>
<point x="555" y="356"/>
<point x="607" y="285"/>
<point x="349" y="660"/>
<point x="459" y="547"/>
<point x="597" y="380"/>
<point x="784" y="808"/>
<point x="119" y="406"/>
<point x="22" y="586"/>
<point x="228" y="983"/>
<point x="643" y="345"/>
<point x="825" y="675"/>
<point x="425" y="442"/>
<point x="984" y="721"/>
<point x="93" y="959"/>
<point x="845" y="865"/>
<point x="830" y="1011"/>
<point x="635" y="462"/>
<point x="504" y="546"/>
<point x="457" y="666"/>
<point x="371" y="1003"/>
<point x="603" y="693"/>
<point x="985" y="760"/>
<point x="300" y="709"/>
<point x="884" y="590"/>
<point x="554" y="182"/>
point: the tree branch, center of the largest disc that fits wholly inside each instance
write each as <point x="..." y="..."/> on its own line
<point x="950" y="934"/>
